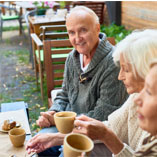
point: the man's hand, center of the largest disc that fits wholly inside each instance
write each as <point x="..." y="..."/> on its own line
<point x="46" y="119"/>
<point x="92" y="128"/>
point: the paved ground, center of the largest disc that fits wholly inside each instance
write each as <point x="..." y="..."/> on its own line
<point x="17" y="79"/>
<point x="9" y="66"/>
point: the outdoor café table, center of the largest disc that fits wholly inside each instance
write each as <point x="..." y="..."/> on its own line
<point x="6" y="147"/>
<point x="25" y="5"/>
<point x="41" y="20"/>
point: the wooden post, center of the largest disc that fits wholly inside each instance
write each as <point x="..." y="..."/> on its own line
<point x="114" y="12"/>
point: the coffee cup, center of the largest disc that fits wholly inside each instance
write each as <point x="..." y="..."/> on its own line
<point x="77" y="145"/>
<point x="64" y="121"/>
<point x="17" y="136"/>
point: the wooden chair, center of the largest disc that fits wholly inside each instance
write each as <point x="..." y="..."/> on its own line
<point x="53" y="31"/>
<point x="98" y="7"/>
<point x="48" y="33"/>
<point x="54" y="65"/>
<point x="7" y="13"/>
<point x="30" y="13"/>
<point x="111" y="40"/>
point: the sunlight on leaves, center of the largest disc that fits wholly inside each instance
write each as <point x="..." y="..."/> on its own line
<point x="42" y="108"/>
<point x="37" y="105"/>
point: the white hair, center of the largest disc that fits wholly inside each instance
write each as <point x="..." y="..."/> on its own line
<point x="139" y="48"/>
<point x="153" y="63"/>
<point x="88" y="10"/>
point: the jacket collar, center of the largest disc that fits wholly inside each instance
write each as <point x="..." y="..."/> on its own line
<point x="103" y="49"/>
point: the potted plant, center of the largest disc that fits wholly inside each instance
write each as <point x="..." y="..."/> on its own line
<point x="42" y="6"/>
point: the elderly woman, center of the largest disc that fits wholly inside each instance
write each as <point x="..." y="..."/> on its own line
<point x="134" y="54"/>
<point x="147" y="112"/>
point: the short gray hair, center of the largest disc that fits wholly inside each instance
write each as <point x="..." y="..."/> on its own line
<point x="138" y="48"/>
<point x="88" y="10"/>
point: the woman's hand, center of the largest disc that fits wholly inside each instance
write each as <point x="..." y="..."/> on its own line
<point x="92" y="128"/>
<point x="96" y="130"/>
<point x="46" y="119"/>
<point x="40" y="143"/>
<point x="44" y="141"/>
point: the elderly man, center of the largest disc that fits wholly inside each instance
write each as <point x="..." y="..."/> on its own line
<point x="90" y="86"/>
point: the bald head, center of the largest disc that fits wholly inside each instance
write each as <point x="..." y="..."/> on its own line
<point x="83" y="28"/>
<point x="83" y="12"/>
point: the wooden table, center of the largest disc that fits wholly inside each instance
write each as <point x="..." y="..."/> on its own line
<point x="25" y="4"/>
<point x="42" y="20"/>
<point x="6" y="147"/>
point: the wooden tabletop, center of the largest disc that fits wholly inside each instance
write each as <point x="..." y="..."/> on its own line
<point x="42" y="19"/>
<point x="6" y="147"/>
<point x="37" y="21"/>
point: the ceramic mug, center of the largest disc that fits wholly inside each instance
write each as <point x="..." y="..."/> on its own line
<point x="77" y="145"/>
<point x="17" y="136"/>
<point x="64" y="121"/>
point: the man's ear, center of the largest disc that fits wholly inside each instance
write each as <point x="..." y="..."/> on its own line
<point x="98" y="27"/>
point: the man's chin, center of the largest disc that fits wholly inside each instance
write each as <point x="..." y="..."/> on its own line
<point x="82" y="52"/>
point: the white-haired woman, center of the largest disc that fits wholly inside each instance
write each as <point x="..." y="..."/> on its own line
<point x="134" y="54"/>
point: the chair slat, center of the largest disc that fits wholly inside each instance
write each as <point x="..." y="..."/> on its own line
<point x="58" y="66"/>
<point x="60" y="74"/>
<point x="53" y="28"/>
<point x="58" y="82"/>
<point x="59" y="59"/>
<point x="54" y="66"/>
<point x="65" y="50"/>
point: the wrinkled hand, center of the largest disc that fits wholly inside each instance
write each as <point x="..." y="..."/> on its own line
<point x="92" y="128"/>
<point x="40" y="143"/>
<point x="46" y="119"/>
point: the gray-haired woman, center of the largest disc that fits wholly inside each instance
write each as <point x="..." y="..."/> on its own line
<point x="123" y="135"/>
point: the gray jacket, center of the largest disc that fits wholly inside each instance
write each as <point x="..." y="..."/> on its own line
<point x="100" y="94"/>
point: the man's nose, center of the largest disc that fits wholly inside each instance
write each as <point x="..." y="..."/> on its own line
<point x="78" y="37"/>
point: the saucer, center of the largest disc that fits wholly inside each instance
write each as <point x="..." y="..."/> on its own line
<point x="18" y="125"/>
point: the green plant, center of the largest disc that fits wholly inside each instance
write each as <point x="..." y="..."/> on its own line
<point x="44" y="4"/>
<point x="62" y="4"/>
<point x="119" y="32"/>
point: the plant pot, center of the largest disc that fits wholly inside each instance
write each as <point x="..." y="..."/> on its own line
<point x="41" y="11"/>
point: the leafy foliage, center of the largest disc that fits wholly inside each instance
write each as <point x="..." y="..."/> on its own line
<point x="119" y="32"/>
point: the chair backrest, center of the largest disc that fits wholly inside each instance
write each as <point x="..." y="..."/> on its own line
<point x="29" y="13"/>
<point x="8" y="8"/>
<point x="55" y="53"/>
<point x="2" y="9"/>
<point x="97" y="7"/>
<point x="111" y="40"/>
<point x="53" y="32"/>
